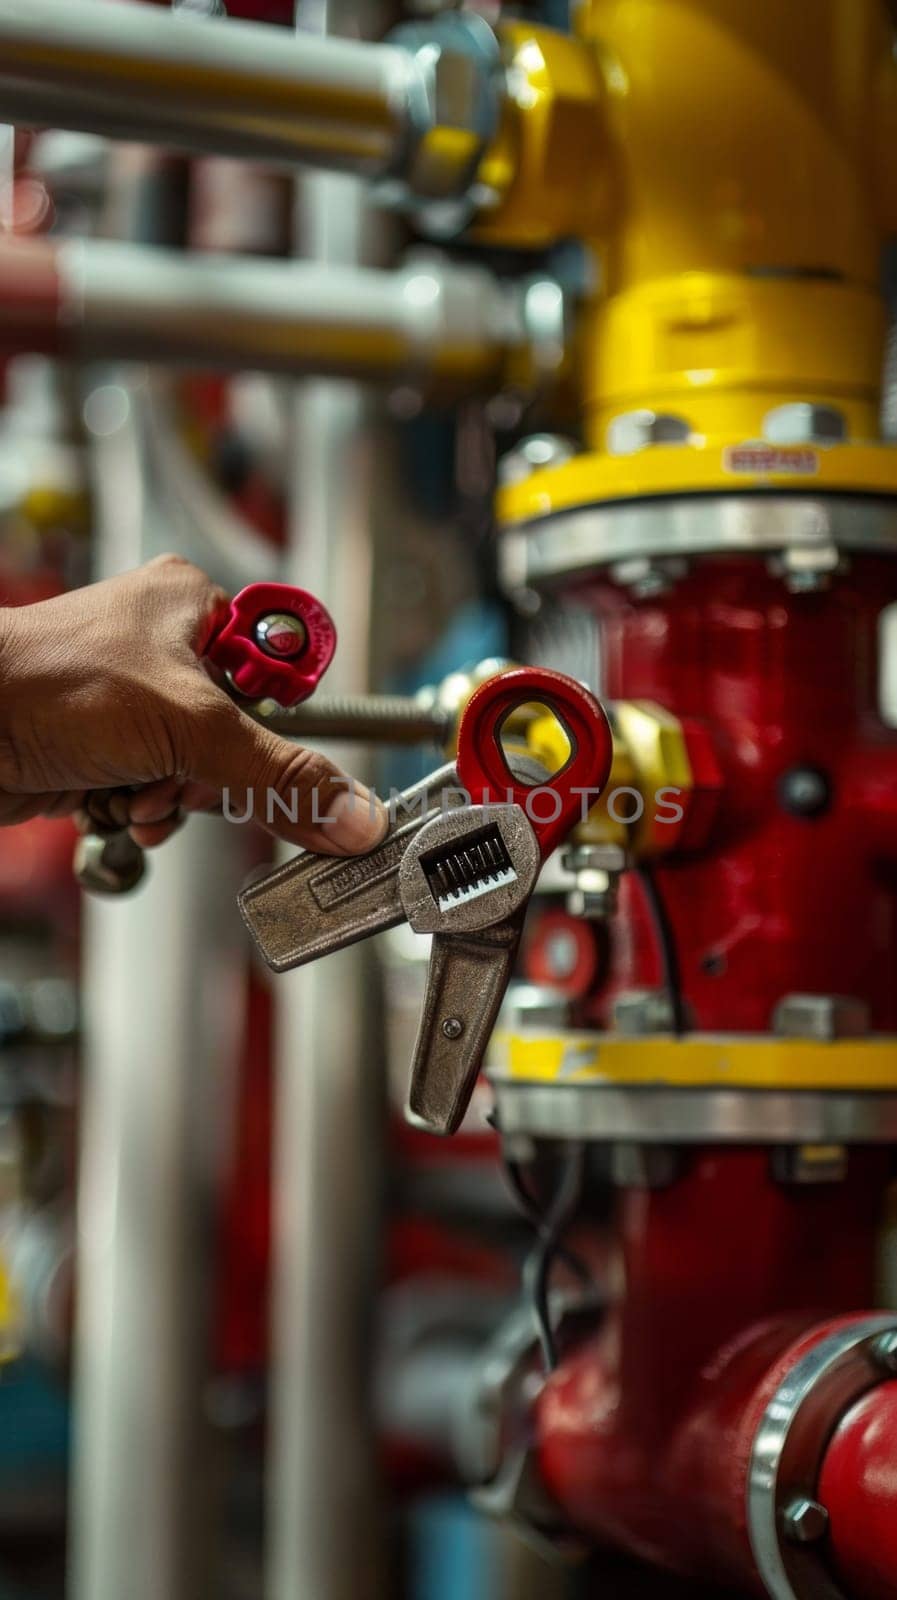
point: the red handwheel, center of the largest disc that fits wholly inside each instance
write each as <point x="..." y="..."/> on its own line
<point x="555" y="806"/>
<point x="276" y="644"/>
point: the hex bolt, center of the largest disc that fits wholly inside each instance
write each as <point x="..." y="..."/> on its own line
<point x="805" y="1522"/>
<point x="281" y="635"/>
<point x="638" y="430"/>
<point x="453" y="1027"/>
<point x="805" y="423"/>
<point x="884" y="1353"/>
<point x="532" y="454"/>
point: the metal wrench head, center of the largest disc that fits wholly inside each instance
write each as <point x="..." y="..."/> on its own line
<point x="469" y="869"/>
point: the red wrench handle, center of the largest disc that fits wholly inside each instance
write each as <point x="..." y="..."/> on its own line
<point x="555" y="806"/>
<point x="276" y="644"/>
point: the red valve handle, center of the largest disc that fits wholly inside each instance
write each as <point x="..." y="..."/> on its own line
<point x="483" y="768"/>
<point x="276" y="644"/>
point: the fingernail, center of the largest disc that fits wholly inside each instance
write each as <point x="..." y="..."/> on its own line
<point x="356" y="819"/>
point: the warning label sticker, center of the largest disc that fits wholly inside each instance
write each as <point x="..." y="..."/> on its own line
<point x="768" y="460"/>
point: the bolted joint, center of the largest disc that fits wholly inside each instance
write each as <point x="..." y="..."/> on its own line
<point x="454" y="110"/>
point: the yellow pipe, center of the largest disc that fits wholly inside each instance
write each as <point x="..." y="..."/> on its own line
<point x="730" y="164"/>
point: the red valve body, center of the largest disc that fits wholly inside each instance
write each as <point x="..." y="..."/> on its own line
<point x="644" y="1433"/>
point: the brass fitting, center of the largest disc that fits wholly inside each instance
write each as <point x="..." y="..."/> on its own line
<point x="544" y="177"/>
<point x="663" y="786"/>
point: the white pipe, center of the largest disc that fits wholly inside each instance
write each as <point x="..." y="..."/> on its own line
<point x="207" y="84"/>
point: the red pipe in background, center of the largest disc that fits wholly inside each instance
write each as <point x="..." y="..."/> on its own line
<point x="858" y="1487"/>
<point x="30" y="300"/>
<point x="725" y="1280"/>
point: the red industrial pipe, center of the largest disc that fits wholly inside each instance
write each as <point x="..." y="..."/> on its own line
<point x="30" y="299"/>
<point x="858" y="1487"/>
<point x="725" y="1280"/>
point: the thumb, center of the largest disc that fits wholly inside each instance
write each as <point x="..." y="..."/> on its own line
<point x="294" y="793"/>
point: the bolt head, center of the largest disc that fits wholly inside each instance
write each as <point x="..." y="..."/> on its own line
<point x="805" y="791"/>
<point x="804" y="423"/>
<point x="805" y="1522"/>
<point x="884" y="1353"/>
<point x="453" y="1027"/>
<point x="637" y="430"/>
<point x="281" y="635"/>
<point x="532" y="455"/>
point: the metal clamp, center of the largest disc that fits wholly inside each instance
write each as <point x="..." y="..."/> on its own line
<point x="787" y="1524"/>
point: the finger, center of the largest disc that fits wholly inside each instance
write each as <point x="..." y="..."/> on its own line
<point x="156" y="802"/>
<point x="294" y="793"/>
<point x="193" y="608"/>
<point x="150" y="834"/>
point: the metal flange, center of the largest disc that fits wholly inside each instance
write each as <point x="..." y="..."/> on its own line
<point x="786" y="1521"/>
<point x="562" y="543"/>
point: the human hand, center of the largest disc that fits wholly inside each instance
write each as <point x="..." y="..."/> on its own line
<point x="104" y="688"/>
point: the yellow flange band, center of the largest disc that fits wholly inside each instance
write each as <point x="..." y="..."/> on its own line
<point x="697" y="1061"/>
<point x="694" y="468"/>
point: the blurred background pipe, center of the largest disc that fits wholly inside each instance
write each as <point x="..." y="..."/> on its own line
<point x="322" y="1538"/>
<point x="206" y="84"/>
<point x="425" y="322"/>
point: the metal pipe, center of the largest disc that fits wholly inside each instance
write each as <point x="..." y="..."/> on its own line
<point x="207" y="84"/>
<point x="161" y="1007"/>
<point x="427" y="322"/>
<point x="322" y="1525"/>
<point x="366" y="719"/>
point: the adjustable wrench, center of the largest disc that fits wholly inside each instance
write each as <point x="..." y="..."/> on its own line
<point x="462" y="868"/>
<point x="277" y="643"/>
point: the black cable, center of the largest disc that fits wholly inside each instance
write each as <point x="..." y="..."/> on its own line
<point x="534" y="1214"/>
<point x="666" y="947"/>
<point x="537" y="1272"/>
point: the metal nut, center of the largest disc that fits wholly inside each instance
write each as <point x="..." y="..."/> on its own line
<point x="533" y="1005"/>
<point x="646" y="576"/>
<point x="642" y="1011"/>
<point x="805" y="1522"/>
<point x="820" y="1016"/>
<point x="637" y="430"/>
<point x="457" y="106"/>
<point x="805" y="423"/>
<point x="806" y="568"/>
<point x="884" y="1353"/>
<point x="533" y="454"/>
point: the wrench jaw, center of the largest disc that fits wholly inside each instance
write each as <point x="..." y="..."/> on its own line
<point x="466" y="983"/>
<point x="468" y="870"/>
